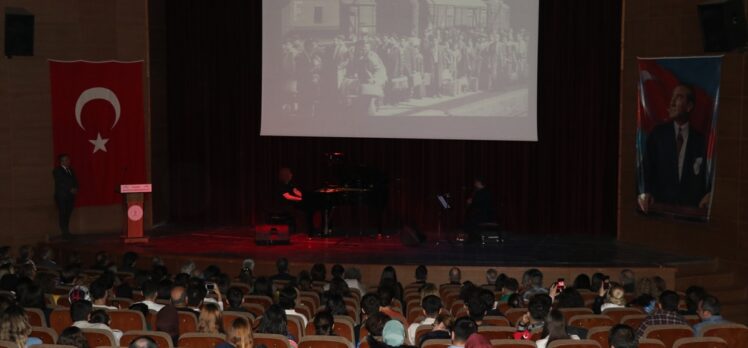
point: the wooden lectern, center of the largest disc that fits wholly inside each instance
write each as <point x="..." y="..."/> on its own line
<point x="133" y="205"/>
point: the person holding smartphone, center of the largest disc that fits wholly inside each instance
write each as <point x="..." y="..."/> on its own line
<point x="602" y="294"/>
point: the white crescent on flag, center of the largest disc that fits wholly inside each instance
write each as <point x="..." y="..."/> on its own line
<point x="97" y="93"/>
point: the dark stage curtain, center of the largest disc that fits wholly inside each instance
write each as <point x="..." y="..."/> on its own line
<point x="221" y="172"/>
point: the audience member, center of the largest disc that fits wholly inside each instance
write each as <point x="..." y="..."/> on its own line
<point x="99" y="319"/>
<point x="709" y="311"/>
<point x="431" y="306"/>
<point x="167" y="320"/>
<point x="143" y="342"/>
<point x="389" y="279"/>
<point x="15" y="327"/>
<point x="235" y="298"/>
<point x="666" y="313"/>
<point x="515" y="301"/>
<point x="614" y="298"/>
<point x="628" y="280"/>
<point x="477" y="340"/>
<point x="319" y="273"/>
<point x="323" y="324"/>
<point x="150" y="293"/>
<point x="491" y="276"/>
<point x="239" y="335"/>
<point x="129" y="260"/>
<point x="582" y="282"/>
<point x="73" y="336"/>
<point x="393" y="333"/>
<point x="476" y="310"/>
<point x="352" y="277"/>
<point x="537" y="311"/>
<point x="287" y="300"/>
<point x="694" y="295"/>
<point x="386" y="299"/>
<point x="442" y="326"/>
<point x="282" y="266"/>
<point x="554" y="329"/>
<point x="46" y="259"/>
<point x="510" y="287"/>
<point x="569" y="298"/>
<point x="622" y="336"/>
<point x="100" y="295"/>
<point x="422" y="274"/>
<point x="210" y="319"/>
<point x="274" y="321"/>
<point x="142" y="308"/>
<point x="455" y="276"/>
<point x="463" y="328"/>
<point x="179" y="300"/>
<point x="533" y="284"/>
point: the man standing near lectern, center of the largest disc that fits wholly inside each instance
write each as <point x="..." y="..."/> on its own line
<point x="66" y="187"/>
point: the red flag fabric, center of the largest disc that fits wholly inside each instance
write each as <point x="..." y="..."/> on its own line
<point x="97" y="118"/>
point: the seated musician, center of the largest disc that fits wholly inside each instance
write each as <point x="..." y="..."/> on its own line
<point x="292" y="202"/>
<point x="480" y="210"/>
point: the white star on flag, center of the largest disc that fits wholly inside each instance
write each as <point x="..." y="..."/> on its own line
<point x="99" y="143"/>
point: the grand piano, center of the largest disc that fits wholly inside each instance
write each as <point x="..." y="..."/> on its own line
<point x="360" y="187"/>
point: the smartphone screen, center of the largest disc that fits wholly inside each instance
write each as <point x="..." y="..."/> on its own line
<point x="560" y="284"/>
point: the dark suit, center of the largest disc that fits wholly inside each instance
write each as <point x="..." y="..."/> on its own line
<point x="65" y="181"/>
<point x="481" y="210"/>
<point x="661" y="167"/>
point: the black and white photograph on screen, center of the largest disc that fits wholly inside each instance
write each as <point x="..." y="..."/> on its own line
<point x="388" y="58"/>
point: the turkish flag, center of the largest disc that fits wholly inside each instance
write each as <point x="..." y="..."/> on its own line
<point x="97" y="118"/>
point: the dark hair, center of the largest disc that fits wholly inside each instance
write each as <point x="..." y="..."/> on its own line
<point x="555" y="326"/>
<point x="282" y="265"/>
<point x="463" y="328"/>
<point x="431" y="304"/>
<point x="235" y="296"/>
<point x="539" y="306"/>
<point x="318" y="272"/>
<point x="323" y="323"/>
<point x="287" y="298"/>
<point x="140" y="307"/>
<point x="211" y="271"/>
<point x="129" y="258"/>
<point x="149" y="288"/>
<point x="80" y="310"/>
<point x="263" y="286"/>
<point x="597" y="281"/>
<point x="511" y="284"/>
<point x="339" y="286"/>
<point x="487" y="297"/>
<point x="336" y="304"/>
<point x="535" y="277"/>
<point x="476" y="308"/>
<point x="582" y="281"/>
<point x="73" y="336"/>
<point x="274" y="321"/>
<point x="694" y="295"/>
<point x="375" y="323"/>
<point x="370" y="303"/>
<point x="196" y="294"/>
<point x="32" y="297"/>
<point x="669" y="300"/>
<point x="337" y="271"/>
<point x="514" y="301"/>
<point x="99" y="316"/>
<point x="69" y="273"/>
<point x="388" y="273"/>
<point x="164" y="289"/>
<point x="570" y="298"/>
<point x="711" y="304"/>
<point x="98" y="290"/>
<point x="421" y="273"/>
<point x="386" y="295"/>
<point x="622" y="336"/>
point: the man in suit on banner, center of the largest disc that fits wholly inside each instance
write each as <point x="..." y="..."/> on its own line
<point x="66" y="187"/>
<point x="675" y="158"/>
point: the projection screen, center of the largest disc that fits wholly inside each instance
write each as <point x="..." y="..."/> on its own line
<point x="429" y="69"/>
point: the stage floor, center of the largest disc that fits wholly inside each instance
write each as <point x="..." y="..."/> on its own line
<point x="518" y="250"/>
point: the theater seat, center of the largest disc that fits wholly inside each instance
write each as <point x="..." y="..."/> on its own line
<point x="8" y="344"/>
<point x="588" y="321"/>
<point x="600" y="335"/>
<point x="36" y="317"/>
<point x="60" y="319"/>
<point x="568" y="313"/>
<point x="618" y="313"/>
<point x="163" y="340"/>
<point x="315" y="341"/>
<point x="495" y="320"/>
<point x="99" y="337"/>
<point x="573" y="344"/>
<point x="187" y="322"/>
<point x="633" y="320"/>
<point x="127" y="320"/>
<point x="420" y="331"/>
<point x="49" y="346"/>
<point x="47" y="335"/>
<point x="650" y="343"/>
<point x="200" y="340"/>
<point x="700" y="342"/>
<point x="668" y="334"/>
<point x="271" y="340"/>
<point x="436" y="343"/>
<point x="512" y="343"/>
<point x="514" y="314"/>
<point x="229" y="317"/>
<point x="497" y="332"/>
<point x="736" y="335"/>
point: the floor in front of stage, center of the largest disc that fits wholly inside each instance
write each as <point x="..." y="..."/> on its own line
<point x="517" y="250"/>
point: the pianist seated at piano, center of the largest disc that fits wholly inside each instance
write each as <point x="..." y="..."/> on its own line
<point x="293" y="207"/>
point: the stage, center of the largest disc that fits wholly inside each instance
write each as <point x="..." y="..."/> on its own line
<point x="228" y="246"/>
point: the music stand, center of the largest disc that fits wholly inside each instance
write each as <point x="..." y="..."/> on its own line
<point x="443" y="200"/>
